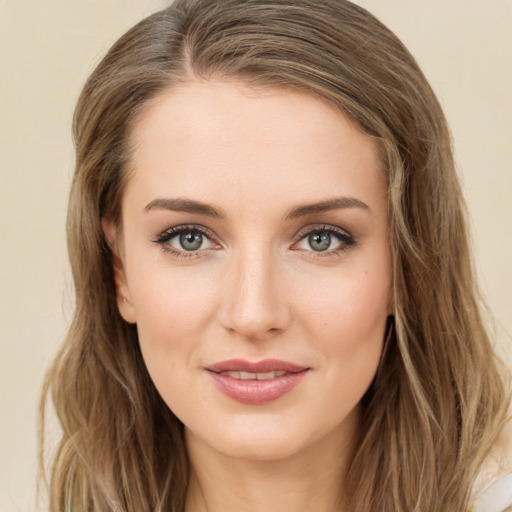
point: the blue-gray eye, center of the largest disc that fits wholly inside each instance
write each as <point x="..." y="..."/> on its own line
<point x="182" y="240"/>
<point x="191" y="240"/>
<point x="320" y="241"/>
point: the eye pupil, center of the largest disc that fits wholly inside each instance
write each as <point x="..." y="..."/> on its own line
<point x="319" y="241"/>
<point x="191" y="241"/>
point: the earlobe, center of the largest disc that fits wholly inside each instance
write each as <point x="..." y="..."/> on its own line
<point x="124" y="302"/>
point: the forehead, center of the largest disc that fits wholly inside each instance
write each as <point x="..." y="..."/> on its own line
<point x="204" y="138"/>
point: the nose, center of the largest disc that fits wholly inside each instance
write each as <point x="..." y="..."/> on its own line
<point x="254" y="303"/>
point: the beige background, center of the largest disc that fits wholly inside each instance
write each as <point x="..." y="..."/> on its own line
<point x="48" y="47"/>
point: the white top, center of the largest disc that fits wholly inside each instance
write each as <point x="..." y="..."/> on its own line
<point x="497" y="498"/>
<point x="492" y="491"/>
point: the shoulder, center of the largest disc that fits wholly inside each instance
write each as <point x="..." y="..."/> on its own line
<point x="492" y="491"/>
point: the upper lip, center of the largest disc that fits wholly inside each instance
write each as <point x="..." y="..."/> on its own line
<point x="267" y="365"/>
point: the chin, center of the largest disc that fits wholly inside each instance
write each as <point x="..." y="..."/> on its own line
<point x="266" y="439"/>
<point x="257" y="446"/>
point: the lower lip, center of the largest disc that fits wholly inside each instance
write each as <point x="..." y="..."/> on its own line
<point x="257" y="392"/>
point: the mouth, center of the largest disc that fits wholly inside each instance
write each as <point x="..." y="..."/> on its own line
<point x="260" y="367"/>
<point x="256" y="383"/>
<point x="253" y="376"/>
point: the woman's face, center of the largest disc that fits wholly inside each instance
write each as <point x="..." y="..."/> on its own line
<point x="254" y="259"/>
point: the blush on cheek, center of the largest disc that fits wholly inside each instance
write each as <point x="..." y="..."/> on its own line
<point x="355" y="307"/>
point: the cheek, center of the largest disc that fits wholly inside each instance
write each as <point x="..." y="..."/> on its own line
<point x="348" y="321"/>
<point x="175" y="310"/>
<point x="171" y="304"/>
<point x="358" y="310"/>
<point x="172" y="316"/>
<point x="352" y="303"/>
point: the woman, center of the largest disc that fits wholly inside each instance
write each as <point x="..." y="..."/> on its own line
<point x="275" y="304"/>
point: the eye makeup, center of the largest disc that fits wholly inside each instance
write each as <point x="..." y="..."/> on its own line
<point x="317" y="237"/>
<point x="193" y="240"/>
<point x="188" y="236"/>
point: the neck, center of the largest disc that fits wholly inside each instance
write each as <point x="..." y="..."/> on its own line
<point x="311" y="480"/>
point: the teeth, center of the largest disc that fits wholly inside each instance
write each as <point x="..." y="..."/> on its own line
<point x="235" y="375"/>
<point x="265" y="376"/>
<point x="247" y="376"/>
<point x="276" y="374"/>
<point x="254" y="376"/>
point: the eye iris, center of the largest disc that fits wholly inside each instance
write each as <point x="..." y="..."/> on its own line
<point x="319" y="241"/>
<point x="191" y="241"/>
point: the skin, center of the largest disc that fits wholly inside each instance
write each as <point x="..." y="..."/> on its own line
<point x="257" y="288"/>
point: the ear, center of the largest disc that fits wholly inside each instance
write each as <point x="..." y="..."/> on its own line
<point x="124" y="300"/>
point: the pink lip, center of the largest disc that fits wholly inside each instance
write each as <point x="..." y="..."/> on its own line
<point x="267" y="365"/>
<point x="256" y="392"/>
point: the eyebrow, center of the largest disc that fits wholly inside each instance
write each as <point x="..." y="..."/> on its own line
<point x="198" y="207"/>
<point x="186" y="205"/>
<point x="324" y="206"/>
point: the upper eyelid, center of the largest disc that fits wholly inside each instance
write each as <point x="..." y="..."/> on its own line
<point x="176" y="230"/>
<point x="303" y="232"/>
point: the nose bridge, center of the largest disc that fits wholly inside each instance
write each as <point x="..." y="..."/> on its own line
<point x="253" y="304"/>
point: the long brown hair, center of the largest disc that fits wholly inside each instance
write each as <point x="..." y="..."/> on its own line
<point x="439" y="399"/>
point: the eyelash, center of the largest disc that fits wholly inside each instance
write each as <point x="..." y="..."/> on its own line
<point x="346" y="239"/>
<point x="171" y="233"/>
